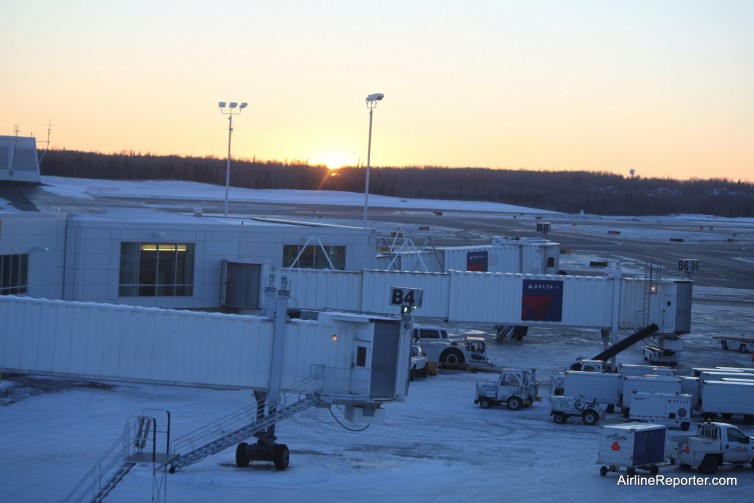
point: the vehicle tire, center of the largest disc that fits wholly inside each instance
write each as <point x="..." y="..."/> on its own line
<point x="742" y="348"/>
<point x="280" y="456"/>
<point x="610" y="408"/>
<point x="685" y="426"/>
<point x="451" y="357"/>
<point x="242" y="458"/>
<point x="603" y="470"/>
<point x="653" y="470"/>
<point x="484" y="403"/>
<point x="514" y="403"/>
<point x="559" y="417"/>
<point x="724" y="344"/>
<point x="631" y="471"/>
<point x="709" y="464"/>
<point x="626" y="412"/>
<point x="684" y="466"/>
<point x="590" y="417"/>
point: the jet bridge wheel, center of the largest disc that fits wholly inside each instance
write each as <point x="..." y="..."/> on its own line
<point x="242" y="457"/>
<point x="280" y="456"/>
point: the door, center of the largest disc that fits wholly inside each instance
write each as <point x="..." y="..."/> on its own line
<point x="668" y="313"/>
<point x="737" y="446"/>
<point x="360" y="367"/>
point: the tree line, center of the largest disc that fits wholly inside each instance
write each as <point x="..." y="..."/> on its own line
<point x="598" y="193"/>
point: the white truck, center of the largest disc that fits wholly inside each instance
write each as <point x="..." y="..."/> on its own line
<point x="449" y="351"/>
<point x="595" y="387"/>
<point x="646" y="384"/>
<point x="713" y="445"/>
<point x="670" y="409"/>
<point x="515" y="387"/>
<point x="632" y="369"/>
<point x="418" y="362"/>
<point x="727" y="399"/>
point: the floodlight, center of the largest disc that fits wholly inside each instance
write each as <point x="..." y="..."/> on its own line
<point x="375" y="97"/>
<point x="233" y="109"/>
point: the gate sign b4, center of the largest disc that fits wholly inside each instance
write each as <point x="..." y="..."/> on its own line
<point x="406" y="296"/>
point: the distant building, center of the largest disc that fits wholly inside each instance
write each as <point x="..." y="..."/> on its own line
<point x="18" y="159"/>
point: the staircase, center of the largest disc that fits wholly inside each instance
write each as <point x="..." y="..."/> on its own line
<point x="131" y="448"/>
<point x="233" y="429"/>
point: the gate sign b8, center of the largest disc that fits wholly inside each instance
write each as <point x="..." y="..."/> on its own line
<point x="689" y="265"/>
<point x="406" y="296"/>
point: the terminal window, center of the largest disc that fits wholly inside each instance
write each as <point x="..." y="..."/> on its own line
<point x="14" y="273"/>
<point x="315" y="257"/>
<point x="156" y="270"/>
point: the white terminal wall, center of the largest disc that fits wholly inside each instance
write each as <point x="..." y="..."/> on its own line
<point x="93" y="252"/>
<point x="41" y="236"/>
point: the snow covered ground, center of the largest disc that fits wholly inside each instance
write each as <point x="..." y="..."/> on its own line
<point x="438" y="446"/>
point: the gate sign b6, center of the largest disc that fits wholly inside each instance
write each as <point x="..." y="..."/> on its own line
<point x="406" y="296"/>
<point x="689" y="265"/>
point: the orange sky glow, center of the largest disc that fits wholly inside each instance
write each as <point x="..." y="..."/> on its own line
<point x="664" y="88"/>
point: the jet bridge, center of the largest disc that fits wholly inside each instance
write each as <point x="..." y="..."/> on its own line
<point x="609" y="302"/>
<point x="356" y="360"/>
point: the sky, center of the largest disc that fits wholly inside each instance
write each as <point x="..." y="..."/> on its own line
<point x="663" y="88"/>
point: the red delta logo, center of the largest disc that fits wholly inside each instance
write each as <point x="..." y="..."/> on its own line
<point x="616" y="446"/>
<point x="686" y="449"/>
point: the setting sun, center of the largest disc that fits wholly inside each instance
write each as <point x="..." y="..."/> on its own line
<point x="335" y="161"/>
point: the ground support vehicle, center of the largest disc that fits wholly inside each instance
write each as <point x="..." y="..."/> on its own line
<point x="469" y="351"/>
<point x="563" y="407"/>
<point x="632" y="446"/>
<point x="713" y="445"/>
<point x="515" y="387"/>
<point x="646" y="384"/>
<point x="418" y="362"/>
<point x="743" y="344"/>
<point x="671" y="409"/>
<point x="666" y="352"/>
<point x="727" y="399"/>
<point x="602" y="388"/>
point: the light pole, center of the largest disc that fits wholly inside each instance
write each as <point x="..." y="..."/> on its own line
<point x="372" y="100"/>
<point x="232" y="109"/>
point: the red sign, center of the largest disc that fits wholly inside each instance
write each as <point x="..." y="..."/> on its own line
<point x="616" y="446"/>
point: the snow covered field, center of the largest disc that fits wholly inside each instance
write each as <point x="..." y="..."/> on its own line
<point x="438" y="446"/>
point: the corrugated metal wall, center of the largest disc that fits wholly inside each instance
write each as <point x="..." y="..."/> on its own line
<point x="132" y="343"/>
<point x="496" y="298"/>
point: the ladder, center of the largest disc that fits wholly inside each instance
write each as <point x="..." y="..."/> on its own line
<point x="233" y="429"/>
<point x="137" y="444"/>
<point x="650" y="281"/>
